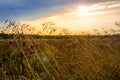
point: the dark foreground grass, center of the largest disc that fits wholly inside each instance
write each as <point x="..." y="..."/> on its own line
<point x="62" y="58"/>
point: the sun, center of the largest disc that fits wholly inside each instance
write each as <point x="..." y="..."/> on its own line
<point x="83" y="10"/>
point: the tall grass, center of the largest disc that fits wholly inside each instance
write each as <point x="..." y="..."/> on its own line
<point x="65" y="58"/>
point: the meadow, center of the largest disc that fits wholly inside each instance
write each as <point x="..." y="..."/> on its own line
<point x="82" y="57"/>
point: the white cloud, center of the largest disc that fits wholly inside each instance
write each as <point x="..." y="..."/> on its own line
<point x="114" y="5"/>
<point x="99" y="8"/>
<point x="110" y="4"/>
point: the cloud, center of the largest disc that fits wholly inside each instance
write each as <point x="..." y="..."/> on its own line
<point x="102" y="14"/>
<point x="114" y="5"/>
<point x="30" y="9"/>
<point x="54" y="10"/>
<point x="99" y="8"/>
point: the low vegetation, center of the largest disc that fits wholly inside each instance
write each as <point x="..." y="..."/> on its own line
<point x="34" y="57"/>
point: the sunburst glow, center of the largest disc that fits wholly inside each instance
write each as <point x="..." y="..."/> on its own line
<point x="83" y="10"/>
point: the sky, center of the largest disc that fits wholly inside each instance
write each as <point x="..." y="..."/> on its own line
<point x="75" y="15"/>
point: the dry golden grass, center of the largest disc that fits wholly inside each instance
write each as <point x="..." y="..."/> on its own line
<point x="72" y="58"/>
<point x="25" y="57"/>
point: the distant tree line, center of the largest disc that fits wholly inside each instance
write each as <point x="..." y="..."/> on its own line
<point x="6" y="36"/>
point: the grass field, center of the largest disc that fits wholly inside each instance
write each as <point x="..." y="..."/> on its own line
<point x="60" y="58"/>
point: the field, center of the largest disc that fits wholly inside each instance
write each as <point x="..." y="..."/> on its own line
<point x="60" y="58"/>
<point x="60" y="40"/>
